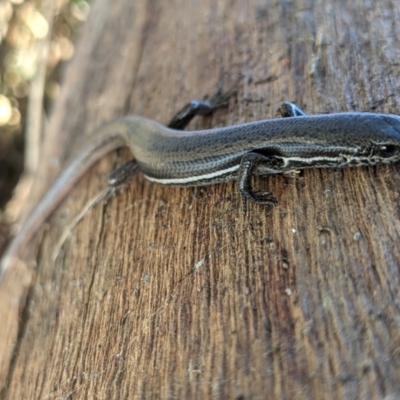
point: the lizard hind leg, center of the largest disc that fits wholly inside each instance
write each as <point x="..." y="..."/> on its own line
<point x="123" y="174"/>
<point x="202" y="107"/>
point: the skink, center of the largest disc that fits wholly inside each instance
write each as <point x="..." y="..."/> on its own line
<point x="192" y="158"/>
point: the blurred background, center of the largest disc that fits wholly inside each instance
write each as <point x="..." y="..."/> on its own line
<point x="24" y="32"/>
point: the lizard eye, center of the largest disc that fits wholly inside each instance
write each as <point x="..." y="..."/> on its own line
<point x="388" y="150"/>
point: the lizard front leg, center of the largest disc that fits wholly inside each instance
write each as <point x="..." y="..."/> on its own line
<point x="256" y="164"/>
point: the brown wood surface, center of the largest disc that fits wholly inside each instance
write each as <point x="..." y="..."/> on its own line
<point x="174" y="293"/>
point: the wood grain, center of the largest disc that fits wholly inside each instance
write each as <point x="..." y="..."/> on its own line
<point x="174" y="293"/>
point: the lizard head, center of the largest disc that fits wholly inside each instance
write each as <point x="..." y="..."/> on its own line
<point x="376" y="138"/>
<point x="387" y="147"/>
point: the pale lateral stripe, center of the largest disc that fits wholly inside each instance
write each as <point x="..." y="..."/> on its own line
<point x="310" y="160"/>
<point x="190" y="179"/>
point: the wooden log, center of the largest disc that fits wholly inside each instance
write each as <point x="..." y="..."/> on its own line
<point x="174" y="293"/>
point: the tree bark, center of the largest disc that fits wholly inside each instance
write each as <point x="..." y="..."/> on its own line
<point x="174" y="293"/>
